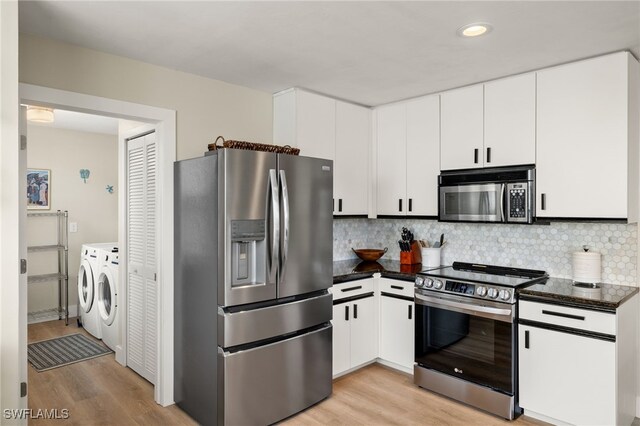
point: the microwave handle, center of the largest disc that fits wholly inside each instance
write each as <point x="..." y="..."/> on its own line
<point x="502" y="212"/>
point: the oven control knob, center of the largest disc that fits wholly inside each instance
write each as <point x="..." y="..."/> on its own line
<point x="428" y="282"/>
<point x="419" y="281"/>
<point x="492" y="293"/>
<point x="437" y="284"/>
<point x="505" y="294"/>
<point x="481" y="291"/>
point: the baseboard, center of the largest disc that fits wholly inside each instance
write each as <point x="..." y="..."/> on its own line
<point x="544" y="418"/>
<point x="395" y="366"/>
<point x="638" y="406"/>
<point x="120" y="355"/>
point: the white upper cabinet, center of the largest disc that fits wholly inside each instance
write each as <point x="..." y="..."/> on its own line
<point x="351" y="180"/>
<point x="392" y="159"/>
<point x="323" y="127"/>
<point x="510" y="121"/>
<point x="316" y="125"/>
<point x="461" y="143"/>
<point x="587" y="139"/>
<point x="423" y="156"/>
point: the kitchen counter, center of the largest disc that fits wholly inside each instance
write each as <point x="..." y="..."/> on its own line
<point x="355" y="269"/>
<point x="607" y="297"/>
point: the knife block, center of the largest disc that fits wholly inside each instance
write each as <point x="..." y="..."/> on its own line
<point x="411" y="257"/>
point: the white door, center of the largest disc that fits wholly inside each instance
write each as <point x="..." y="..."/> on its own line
<point x="392" y="160"/>
<point x="396" y="331"/>
<point x="341" y="338"/>
<point x="351" y="165"/>
<point x="315" y="125"/>
<point x="142" y="292"/>
<point x="363" y="331"/>
<point x="461" y="143"/>
<point x="510" y="121"/>
<point x="423" y="156"/>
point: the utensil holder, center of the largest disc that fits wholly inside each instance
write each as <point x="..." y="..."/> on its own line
<point x="411" y="257"/>
<point x="431" y="257"/>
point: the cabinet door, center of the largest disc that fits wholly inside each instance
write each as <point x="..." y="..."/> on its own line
<point x="423" y="156"/>
<point x="392" y="160"/>
<point x="363" y="331"/>
<point x="351" y="166"/>
<point x="396" y="331"/>
<point x="582" y="129"/>
<point x="341" y="338"/>
<point x="567" y="377"/>
<point x="315" y="125"/>
<point x="461" y="141"/>
<point x="510" y="121"/>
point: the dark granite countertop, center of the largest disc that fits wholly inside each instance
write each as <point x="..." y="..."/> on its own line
<point x="355" y="269"/>
<point x="563" y="292"/>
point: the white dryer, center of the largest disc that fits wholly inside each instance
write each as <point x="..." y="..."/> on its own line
<point x="108" y="289"/>
<point x="87" y="289"/>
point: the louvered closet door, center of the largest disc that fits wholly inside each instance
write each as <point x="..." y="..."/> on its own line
<point x="141" y="242"/>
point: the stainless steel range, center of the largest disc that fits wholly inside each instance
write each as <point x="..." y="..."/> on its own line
<point x="466" y="331"/>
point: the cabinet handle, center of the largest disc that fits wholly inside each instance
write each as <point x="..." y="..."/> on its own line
<point x="339" y="204"/>
<point x="410" y="311"/>
<point x="397" y="287"/>
<point x="346" y="313"/>
<point x="410" y="204"/>
<point x="344" y="290"/>
<point x="333" y="204"/>
<point x="475" y="156"/>
<point x="526" y="339"/>
<point x="355" y="311"/>
<point x="488" y="155"/>
<point x="563" y="315"/>
<point x="400" y="204"/>
<point x="544" y="201"/>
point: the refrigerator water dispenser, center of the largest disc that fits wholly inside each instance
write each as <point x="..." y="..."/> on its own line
<point x="248" y="251"/>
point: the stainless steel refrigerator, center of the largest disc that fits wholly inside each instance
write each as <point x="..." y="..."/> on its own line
<point x="253" y="264"/>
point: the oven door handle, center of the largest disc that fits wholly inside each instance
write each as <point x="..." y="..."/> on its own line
<point x="499" y="314"/>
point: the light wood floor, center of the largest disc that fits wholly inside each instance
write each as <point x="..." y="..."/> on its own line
<point x="101" y="391"/>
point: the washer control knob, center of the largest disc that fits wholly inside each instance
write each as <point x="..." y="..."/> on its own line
<point x="505" y="294"/>
<point x="492" y="293"/>
<point x="437" y="284"/>
<point x="428" y="282"/>
<point x="419" y="281"/>
<point x="481" y="291"/>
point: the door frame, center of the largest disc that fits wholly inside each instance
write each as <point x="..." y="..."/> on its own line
<point x="164" y="121"/>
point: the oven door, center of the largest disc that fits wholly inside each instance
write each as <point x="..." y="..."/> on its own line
<point x="473" y="341"/>
<point x="472" y="203"/>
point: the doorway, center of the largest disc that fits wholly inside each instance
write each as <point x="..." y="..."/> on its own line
<point x="163" y="123"/>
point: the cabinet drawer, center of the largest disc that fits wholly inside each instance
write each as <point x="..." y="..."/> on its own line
<point x="352" y="288"/>
<point x="583" y="319"/>
<point x="401" y="288"/>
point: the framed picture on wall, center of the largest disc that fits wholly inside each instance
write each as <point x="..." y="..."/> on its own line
<point x="38" y="189"/>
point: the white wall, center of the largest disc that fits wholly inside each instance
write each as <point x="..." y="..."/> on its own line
<point x="205" y="108"/>
<point x="95" y="211"/>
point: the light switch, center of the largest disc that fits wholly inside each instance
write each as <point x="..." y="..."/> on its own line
<point x="73" y="226"/>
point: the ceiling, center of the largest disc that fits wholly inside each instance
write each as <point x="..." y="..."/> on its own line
<point x="81" y="122"/>
<point x="366" y="52"/>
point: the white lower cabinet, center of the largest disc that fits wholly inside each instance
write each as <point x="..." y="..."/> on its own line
<point x="577" y="365"/>
<point x="354" y="325"/>
<point x="397" y="323"/>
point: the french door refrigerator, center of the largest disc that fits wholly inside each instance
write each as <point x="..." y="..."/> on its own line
<point x="253" y="264"/>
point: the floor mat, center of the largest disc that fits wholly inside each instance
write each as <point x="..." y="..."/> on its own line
<point x="65" y="350"/>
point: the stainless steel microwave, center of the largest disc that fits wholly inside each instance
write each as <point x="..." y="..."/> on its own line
<point x="501" y="194"/>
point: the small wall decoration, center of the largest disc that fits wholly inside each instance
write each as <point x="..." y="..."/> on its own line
<point x="38" y="189"/>
<point x="110" y="189"/>
<point x="84" y="174"/>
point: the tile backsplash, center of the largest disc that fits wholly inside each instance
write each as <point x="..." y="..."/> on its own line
<point x="546" y="247"/>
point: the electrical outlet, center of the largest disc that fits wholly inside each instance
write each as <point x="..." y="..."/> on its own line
<point x="73" y="226"/>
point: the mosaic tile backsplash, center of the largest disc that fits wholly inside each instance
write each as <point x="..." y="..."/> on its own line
<point x="546" y="247"/>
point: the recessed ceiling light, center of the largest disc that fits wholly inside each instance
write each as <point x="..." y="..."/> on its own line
<point x="474" y="30"/>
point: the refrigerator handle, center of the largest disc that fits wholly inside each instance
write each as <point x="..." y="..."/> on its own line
<point x="274" y="205"/>
<point x="285" y="220"/>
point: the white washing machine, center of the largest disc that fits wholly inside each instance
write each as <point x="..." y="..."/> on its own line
<point x="108" y="289"/>
<point x="87" y="289"/>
